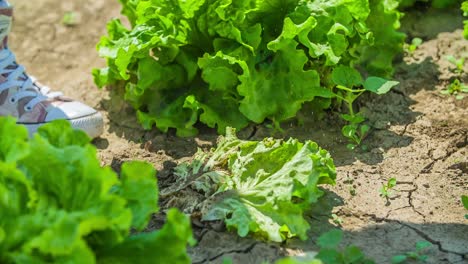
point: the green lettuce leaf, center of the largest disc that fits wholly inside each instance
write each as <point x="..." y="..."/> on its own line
<point x="281" y="97"/>
<point x="13" y="141"/>
<point x="167" y="245"/>
<point x="383" y="22"/>
<point x="58" y="205"/>
<point x="138" y="188"/>
<point x="260" y="188"/>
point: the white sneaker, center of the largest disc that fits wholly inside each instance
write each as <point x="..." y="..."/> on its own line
<point x="22" y="97"/>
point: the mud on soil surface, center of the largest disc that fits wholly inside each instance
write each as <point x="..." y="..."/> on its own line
<point x="420" y="137"/>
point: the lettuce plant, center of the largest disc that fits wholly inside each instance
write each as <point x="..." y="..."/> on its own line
<point x="58" y="205"/>
<point x="228" y="63"/>
<point x="261" y="188"/>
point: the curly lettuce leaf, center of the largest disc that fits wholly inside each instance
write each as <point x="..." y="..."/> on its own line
<point x="57" y="204"/>
<point x="383" y="22"/>
<point x="138" y="185"/>
<point x="260" y="188"/>
<point x="166" y="245"/>
<point x="13" y="141"/>
<point x="279" y="98"/>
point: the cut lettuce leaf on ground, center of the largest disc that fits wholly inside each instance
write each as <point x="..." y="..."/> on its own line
<point x="58" y="205"/>
<point x="258" y="187"/>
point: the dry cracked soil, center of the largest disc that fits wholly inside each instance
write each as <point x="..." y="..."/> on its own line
<point x="419" y="137"/>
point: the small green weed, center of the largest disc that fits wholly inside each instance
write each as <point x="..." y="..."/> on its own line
<point x="385" y="190"/>
<point x="349" y="86"/>
<point x="464" y="200"/>
<point x="355" y="131"/>
<point x="458" y="63"/>
<point x="227" y="260"/>
<point x="456" y="88"/>
<point x="416" y="255"/>
<point x="70" y="18"/>
<point x="413" y="46"/>
<point x="330" y="253"/>
<point x="336" y="219"/>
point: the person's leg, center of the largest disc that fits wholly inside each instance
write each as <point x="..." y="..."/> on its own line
<point x="31" y="103"/>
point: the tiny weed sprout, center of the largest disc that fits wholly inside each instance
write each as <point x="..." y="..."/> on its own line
<point x="227" y="260"/>
<point x="70" y="19"/>
<point x="385" y="190"/>
<point x="349" y="86"/>
<point x="458" y="63"/>
<point x="414" y="256"/>
<point x="411" y="48"/>
<point x="336" y="219"/>
<point x="331" y="253"/>
<point x="355" y="131"/>
<point x="464" y="200"/>
<point x="456" y="88"/>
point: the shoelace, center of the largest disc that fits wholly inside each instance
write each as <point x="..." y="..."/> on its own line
<point x="16" y="77"/>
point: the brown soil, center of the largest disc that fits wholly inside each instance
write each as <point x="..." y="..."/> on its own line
<point x="420" y="138"/>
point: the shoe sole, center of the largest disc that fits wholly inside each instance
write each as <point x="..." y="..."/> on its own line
<point x="93" y="125"/>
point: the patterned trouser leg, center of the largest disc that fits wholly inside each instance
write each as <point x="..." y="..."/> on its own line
<point x="6" y="12"/>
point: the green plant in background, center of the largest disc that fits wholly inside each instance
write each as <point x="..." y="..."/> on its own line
<point x="70" y="18"/>
<point x="331" y="253"/>
<point x="413" y="256"/>
<point x="464" y="200"/>
<point x="58" y="205"/>
<point x="336" y="219"/>
<point x="464" y="8"/>
<point x="458" y="63"/>
<point x="227" y="261"/>
<point x="349" y="86"/>
<point x="456" y="88"/>
<point x="385" y="190"/>
<point x="415" y="43"/>
<point x="229" y="63"/>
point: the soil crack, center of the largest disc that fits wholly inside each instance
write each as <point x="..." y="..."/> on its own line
<point x="417" y="231"/>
